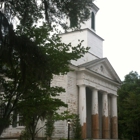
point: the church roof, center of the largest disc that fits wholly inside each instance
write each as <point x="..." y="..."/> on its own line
<point x="103" y="68"/>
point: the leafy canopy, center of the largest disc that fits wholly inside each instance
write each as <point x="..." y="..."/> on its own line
<point x="129" y="106"/>
<point x="31" y="55"/>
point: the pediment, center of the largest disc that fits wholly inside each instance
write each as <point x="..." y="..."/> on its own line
<point x="102" y="67"/>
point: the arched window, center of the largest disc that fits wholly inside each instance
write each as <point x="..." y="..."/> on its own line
<point x="92" y="21"/>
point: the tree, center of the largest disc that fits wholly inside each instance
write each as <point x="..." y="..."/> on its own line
<point x="54" y="58"/>
<point x="76" y="128"/>
<point x="129" y="107"/>
<point x="66" y="115"/>
<point x="30" y="13"/>
<point x="38" y="105"/>
<point x="29" y="55"/>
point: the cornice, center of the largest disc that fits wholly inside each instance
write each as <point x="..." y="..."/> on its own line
<point x="85" y="29"/>
<point x="95" y="7"/>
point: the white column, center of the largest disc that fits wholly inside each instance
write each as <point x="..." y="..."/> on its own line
<point x="114" y="118"/>
<point x="95" y="114"/>
<point x="105" y="117"/>
<point x="82" y="109"/>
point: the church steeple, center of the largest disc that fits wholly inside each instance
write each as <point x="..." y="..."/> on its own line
<point x="91" y="39"/>
<point x="91" y="22"/>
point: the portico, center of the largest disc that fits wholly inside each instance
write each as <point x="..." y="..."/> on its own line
<point x="98" y="101"/>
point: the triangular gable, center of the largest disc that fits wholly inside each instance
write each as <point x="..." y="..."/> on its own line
<point x="103" y="67"/>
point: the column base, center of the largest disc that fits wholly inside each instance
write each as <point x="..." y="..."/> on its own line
<point x="95" y="126"/>
<point x="105" y="131"/>
<point x="114" y="128"/>
<point x="84" y="131"/>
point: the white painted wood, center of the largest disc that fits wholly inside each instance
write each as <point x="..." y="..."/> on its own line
<point x="114" y="106"/>
<point x="82" y="104"/>
<point x="95" y="102"/>
<point x="105" y="104"/>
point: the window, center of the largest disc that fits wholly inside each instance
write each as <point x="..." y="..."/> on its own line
<point x="20" y="119"/>
<point x="102" y="69"/>
<point x="17" y="120"/>
<point x="92" y="21"/>
<point x="2" y="109"/>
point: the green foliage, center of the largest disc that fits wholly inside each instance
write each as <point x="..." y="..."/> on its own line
<point x="29" y="77"/>
<point x="76" y="128"/>
<point x="38" y="106"/>
<point x="129" y="106"/>
<point x="25" y="135"/>
<point x="62" y="139"/>
<point x="49" y="125"/>
<point x="31" y="55"/>
<point x="52" y="117"/>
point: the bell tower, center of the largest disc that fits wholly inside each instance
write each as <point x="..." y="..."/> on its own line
<point x="91" y="22"/>
<point x="91" y="39"/>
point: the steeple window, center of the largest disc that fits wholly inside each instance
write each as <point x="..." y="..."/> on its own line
<point x="92" y="21"/>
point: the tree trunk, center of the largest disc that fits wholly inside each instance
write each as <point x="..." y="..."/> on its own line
<point x="4" y="123"/>
<point x="33" y="137"/>
<point x="1" y="129"/>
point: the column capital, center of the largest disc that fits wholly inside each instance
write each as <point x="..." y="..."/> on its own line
<point x="83" y="85"/>
<point x="114" y="95"/>
<point x="105" y="92"/>
<point x="94" y="88"/>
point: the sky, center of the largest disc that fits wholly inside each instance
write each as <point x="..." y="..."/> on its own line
<point x="118" y="23"/>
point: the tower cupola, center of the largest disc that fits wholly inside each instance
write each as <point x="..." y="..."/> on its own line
<point x="88" y="35"/>
<point x="91" y="22"/>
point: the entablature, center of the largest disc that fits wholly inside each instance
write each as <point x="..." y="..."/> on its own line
<point x="94" y="80"/>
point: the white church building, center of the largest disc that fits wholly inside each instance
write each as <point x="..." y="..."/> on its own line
<point x="91" y="88"/>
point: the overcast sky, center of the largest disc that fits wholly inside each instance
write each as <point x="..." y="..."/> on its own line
<point x="118" y="22"/>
